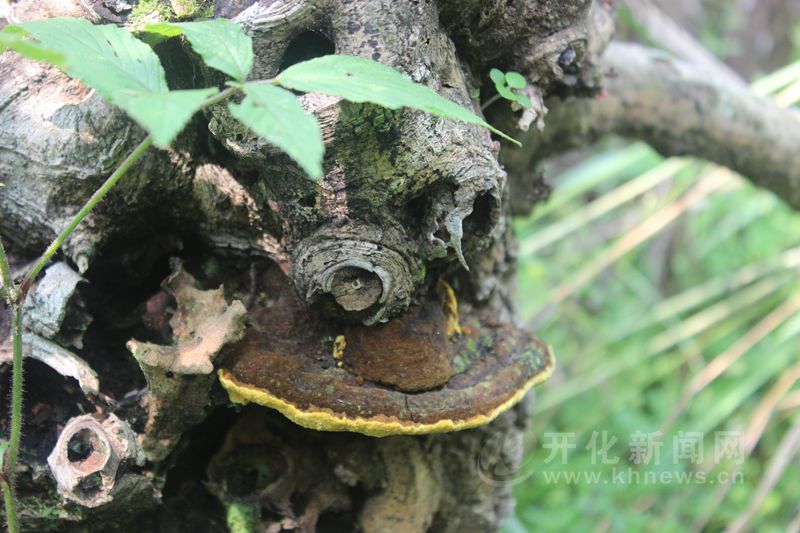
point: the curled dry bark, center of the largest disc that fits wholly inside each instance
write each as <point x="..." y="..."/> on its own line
<point x="407" y="201"/>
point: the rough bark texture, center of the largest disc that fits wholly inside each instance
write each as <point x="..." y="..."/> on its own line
<point x="407" y="200"/>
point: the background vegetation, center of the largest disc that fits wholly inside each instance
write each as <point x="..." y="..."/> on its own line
<point x="669" y="291"/>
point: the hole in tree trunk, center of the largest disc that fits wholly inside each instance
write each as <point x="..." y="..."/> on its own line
<point x="307" y="45"/>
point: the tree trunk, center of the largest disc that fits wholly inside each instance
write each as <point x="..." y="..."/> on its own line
<point x="371" y="308"/>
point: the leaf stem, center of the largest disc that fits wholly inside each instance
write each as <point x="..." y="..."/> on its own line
<point x="490" y="101"/>
<point x="17" y="301"/>
<point x="10" y="505"/>
<point x="220" y="96"/>
<point x="17" y="382"/>
<point x="6" y="474"/>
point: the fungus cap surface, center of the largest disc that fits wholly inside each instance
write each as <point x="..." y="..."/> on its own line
<point x="320" y="379"/>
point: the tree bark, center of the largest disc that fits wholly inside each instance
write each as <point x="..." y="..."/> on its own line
<point x="190" y="257"/>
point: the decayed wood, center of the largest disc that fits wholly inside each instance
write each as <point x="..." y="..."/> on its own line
<point x="407" y="198"/>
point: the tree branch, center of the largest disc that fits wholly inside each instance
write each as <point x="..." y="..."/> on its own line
<point x="679" y="109"/>
<point x="671" y="36"/>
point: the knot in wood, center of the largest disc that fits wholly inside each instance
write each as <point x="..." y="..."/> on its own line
<point x="356" y="289"/>
<point x="357" y="273"/>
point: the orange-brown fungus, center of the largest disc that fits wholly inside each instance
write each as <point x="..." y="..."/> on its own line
<point x="412" y="375"/>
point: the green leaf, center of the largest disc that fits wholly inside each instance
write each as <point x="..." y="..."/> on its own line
<point x="157" y="32"/>
<point x="15" y="38"/>
<point x="506" y="93"/>
<point x="362" y="80"/>
<point x="106" y="58"/>
<point x="166" y="114"/>
<point x="122" y="69"/>
<point x="524" y="101"/>
<point x="222" y="44"/>
<point x="497" y="76"/>
<point x="276" y="115"/>
<point x="515" y="80"/>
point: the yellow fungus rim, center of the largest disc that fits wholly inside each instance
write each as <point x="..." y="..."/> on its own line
<point x="322" y="419"/>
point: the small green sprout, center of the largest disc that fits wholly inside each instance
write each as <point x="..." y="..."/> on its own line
<point x="509" y="85"/>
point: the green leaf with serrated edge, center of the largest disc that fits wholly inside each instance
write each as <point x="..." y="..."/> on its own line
<point x="362" y="80"/>
<point x="222" y="44"/>
<point x="106" y="58"/>
<point x="497" y="76"/>
<point x="166" y="114"/>
<point x="15" y="38"/>
<point x="524" y="101"/>
<point x="122" y="69"/>
<point x="276" y="115"/>
<point x="515" y="80"/>
<point x="506" y="93"/>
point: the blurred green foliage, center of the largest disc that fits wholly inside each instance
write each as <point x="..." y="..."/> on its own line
<point x="669" y="291"/>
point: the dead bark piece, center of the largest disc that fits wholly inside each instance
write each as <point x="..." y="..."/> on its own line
<point x="87" y="458"/>
<point x="48" y="352"/>
<point x="57" y="130"/>
<point x="179" y="376"/>
<point x="59" y="359"/>
<point x="55" y="310"/>
<point x="411" y="497"/>
<point x="203" y="323"/>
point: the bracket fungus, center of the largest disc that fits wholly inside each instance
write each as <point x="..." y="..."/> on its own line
<point x="425" y="371"/>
